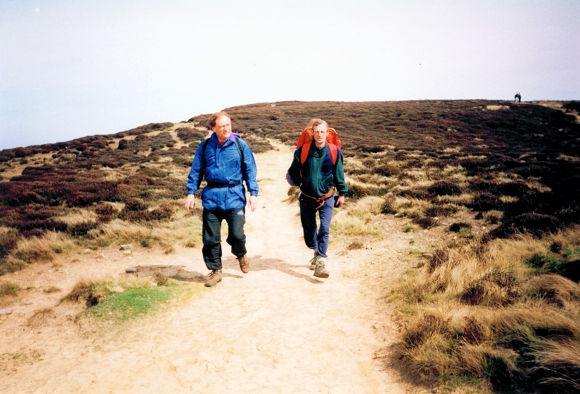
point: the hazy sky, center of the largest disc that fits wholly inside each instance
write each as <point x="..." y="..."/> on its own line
<point x="72" y="68"/>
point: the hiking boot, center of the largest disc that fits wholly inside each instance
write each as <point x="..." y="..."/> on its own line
<point x="214" y="277"/>
<point x="244" y="264"/>
<point x="313" y="262"/>
<point x="320" y="270"/>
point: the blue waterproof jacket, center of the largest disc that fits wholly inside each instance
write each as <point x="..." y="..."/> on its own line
<point x="222" y="167"/>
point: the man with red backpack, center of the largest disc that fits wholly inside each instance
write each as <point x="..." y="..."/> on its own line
<point x="317" y="168"/>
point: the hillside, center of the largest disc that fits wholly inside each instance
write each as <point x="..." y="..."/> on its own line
<point x="484" y="195"/>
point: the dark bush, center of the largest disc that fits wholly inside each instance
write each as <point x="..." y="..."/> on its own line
<point x="484" y="202"/>
<point x="444" y="188"/>
<point x="439" y="257"/>
<point x="572" y="105"/>
<point x="81" y="229"/>
<point x="512" y="189"/>
<point x="388" y="170"/>
<point x="424" y="221"/>
<point x="135" y="204"/>
<point x="388" y="205"/>
<point x="536" y="224"/>
<point x="440" y="210"/>
<point x="456" y="227"/>
<point x="105" y="212"/>
<point x="164" y="212"/>
<point x="123" y="144"/>
<point x="8" y="242"/>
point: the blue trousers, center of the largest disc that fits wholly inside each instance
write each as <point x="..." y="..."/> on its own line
<point x="211" y="235"/>
<point x="316" y="238"/>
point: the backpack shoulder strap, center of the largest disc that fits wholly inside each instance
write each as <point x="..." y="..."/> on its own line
<point x="304" y="152"/>
<point x="203" y="149"/>
<point x="239" y="145"/>
<point x="333" y="150"/>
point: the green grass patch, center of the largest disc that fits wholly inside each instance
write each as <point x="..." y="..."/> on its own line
<point x="129" y="304"/>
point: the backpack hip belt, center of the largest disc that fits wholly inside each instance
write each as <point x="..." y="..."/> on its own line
<point x="319" y="199"/>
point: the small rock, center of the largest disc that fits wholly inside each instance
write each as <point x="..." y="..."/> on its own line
<point x="131" y="270"/>
<point x="5" y="311"/>
<point x="125" y="247"/>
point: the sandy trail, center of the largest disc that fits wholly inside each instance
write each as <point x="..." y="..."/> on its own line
<point x="275" y="329"/>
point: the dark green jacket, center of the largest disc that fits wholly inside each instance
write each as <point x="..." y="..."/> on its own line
<point x="317" y="176"/>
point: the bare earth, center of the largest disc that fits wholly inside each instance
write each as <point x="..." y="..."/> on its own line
<point x="275" y="329"/>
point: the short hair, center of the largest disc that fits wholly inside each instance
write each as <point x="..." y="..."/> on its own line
<point x="316" y="122"/>
<point x="214" y="118"/>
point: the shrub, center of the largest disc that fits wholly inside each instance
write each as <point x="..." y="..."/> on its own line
<point x="81" y="229"/>
<point x="163" y="212"/>
<point x="388" y="170"/>
<point x="388" y="205"/>
<point x="135" y="204"/>
<point x="88" y="291"/>
<point x="496" y="288"/>
<point x="105" y="212"/>
<point x="8" y="242"/>
<point x="456" y="227"/>
<point x="440" y="210"/>
<point x="424" y="221"/>
<point x="9" y="289"/>
<point x="486" y="202"/>
<point x="444" y="188"/>
<point x="439" y="257"/>
<point x="536" y="224"/>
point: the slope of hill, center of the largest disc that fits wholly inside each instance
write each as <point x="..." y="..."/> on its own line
<point x="496" y="182"/>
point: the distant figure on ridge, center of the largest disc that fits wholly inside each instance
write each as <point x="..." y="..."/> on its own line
<point x="225" y="160"/>
<point x="518" y="97"/>
<point x="317" y="169"/>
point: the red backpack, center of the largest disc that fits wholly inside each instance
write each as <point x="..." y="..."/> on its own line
<point x="305" y="141"/>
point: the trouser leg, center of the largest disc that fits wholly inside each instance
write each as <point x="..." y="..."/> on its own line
<point x="325" y="214"/>
<point x="212" y="249"/>
<point x="236" y="237"/>
<point x="308" y="220"/>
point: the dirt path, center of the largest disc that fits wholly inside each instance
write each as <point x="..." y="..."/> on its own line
<point x="275" y="329"/>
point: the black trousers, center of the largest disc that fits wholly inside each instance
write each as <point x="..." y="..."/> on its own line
<point x="211" y="235"/>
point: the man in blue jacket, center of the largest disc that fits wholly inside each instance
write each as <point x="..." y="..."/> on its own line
<point x="225" y="160"/>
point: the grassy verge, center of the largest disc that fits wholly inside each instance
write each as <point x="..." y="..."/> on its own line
<point x="496" y="315"/>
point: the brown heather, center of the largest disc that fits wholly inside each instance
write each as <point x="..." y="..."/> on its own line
<point x="494" y="307"/>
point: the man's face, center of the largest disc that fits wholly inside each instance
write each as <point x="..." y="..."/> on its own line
<point x="223" y="128"/>
<point x="319" y="132"/>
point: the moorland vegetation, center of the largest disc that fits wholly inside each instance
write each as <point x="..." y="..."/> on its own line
<point x="494" y="309"/>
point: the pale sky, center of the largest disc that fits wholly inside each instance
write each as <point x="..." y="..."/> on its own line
<point x="72" y="68"/>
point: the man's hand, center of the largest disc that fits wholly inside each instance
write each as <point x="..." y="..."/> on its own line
<point x="253" y="203"/>
<point x="340" y="201"/>
<point x="189" y="202"/>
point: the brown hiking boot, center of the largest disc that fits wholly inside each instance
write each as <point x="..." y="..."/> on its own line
<point x="213" y="278"/>
<point x="320" y="270"/>
<point x="244" y="264"/>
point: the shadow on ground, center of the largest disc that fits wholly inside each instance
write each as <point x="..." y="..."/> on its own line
<point x="257" y="263"/>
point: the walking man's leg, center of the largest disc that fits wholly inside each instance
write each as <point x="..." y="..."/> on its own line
<point x="308" y="220"/>
<point x="236" y="237"/>
<point x="325" y="214"/>
<point x="212" y="250"/>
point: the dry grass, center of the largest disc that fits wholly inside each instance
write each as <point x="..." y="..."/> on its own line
<point x="478" y="310"/>
<point x="43" y="248"/>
